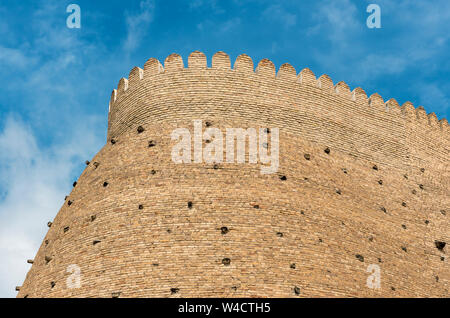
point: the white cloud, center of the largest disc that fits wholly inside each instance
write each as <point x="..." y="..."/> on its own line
<point x="206" y="4"/>
<point x="336" y="21"/>
<point x="277" y="14"/>
<point x="55" y="66"/>
<point x="229" y="25"/>
<point x="137" y="25"/>
<point x="35" y="176"/>
<point x="374" y="65"/>
<point x="434" y="94"/>
<point x="34" y="182"/>
<point x="219" y="28"/>
<point x="11" y="57"/>
<point x="359" y="55"/>
<point x="193" y="4"/>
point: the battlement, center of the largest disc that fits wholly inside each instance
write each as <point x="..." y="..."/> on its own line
<point x="314" y="108"/>
<point x="265" y="70"/>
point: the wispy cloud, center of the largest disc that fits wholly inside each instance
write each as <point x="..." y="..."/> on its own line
<point x="277" y="14"/>
<point x="206" y="4"/>
<point x="336" y="21"/>
<point x="137" y="24"/>
<point x="336" y="24"/>
<point x="49" y="74"/>
<point x="33" y="181"/>
<point x="10" y="57"/>
<point x="411" y="35"/>
<point x="220" y="28"/>
<point x="434" y="94"/>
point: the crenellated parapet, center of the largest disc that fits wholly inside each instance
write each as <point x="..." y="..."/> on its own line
<point x="298" y="101"/>
<point x="265" y="68"/>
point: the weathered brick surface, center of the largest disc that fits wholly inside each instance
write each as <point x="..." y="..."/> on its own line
<point x="302" y="220"/>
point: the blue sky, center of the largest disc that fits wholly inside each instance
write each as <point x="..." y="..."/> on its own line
<point x="56" y="81"/>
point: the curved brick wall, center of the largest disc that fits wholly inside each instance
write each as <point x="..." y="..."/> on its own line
<point x="133" y="233"/>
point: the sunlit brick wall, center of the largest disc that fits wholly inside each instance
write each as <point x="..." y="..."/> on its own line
<point x="361" y="182"/>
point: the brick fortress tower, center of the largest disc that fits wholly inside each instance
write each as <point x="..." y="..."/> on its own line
<point x="361" y="182"/>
